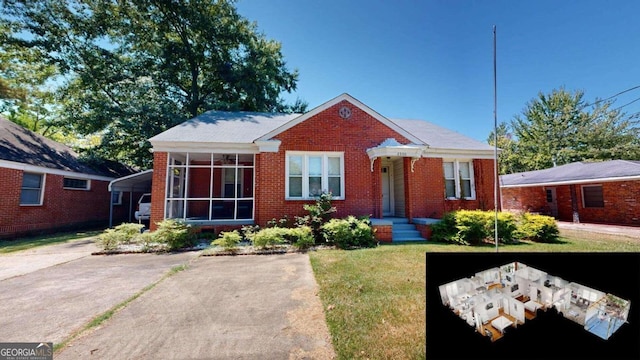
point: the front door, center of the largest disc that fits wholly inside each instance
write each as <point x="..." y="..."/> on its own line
<point x="387" y="201"/>
<point x="552" y="201"/>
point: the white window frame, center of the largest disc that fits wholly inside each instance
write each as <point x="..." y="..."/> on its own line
<point x="86" y="188"/>
<point x="584" y="204"/>
<point x="457" y="178"/>
<point x="42" y="187"/>
<point x="305" y="173"/>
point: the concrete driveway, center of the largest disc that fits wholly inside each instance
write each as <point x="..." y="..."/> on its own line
<point x="243" y="307"/>
<point x="50" y="292"/>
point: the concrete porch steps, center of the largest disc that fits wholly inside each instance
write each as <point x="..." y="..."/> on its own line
<point x="402" y="231"/>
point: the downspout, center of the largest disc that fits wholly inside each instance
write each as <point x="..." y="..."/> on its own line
<point x="110" y="209"/>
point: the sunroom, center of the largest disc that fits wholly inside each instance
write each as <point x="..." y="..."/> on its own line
<point x="210" y="188"/>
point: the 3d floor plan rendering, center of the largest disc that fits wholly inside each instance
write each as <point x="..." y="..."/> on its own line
<point x="498" y="298"/>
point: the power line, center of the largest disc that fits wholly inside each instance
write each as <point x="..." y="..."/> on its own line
<point x="629" y="103"/>
<point x="612" y="96"/>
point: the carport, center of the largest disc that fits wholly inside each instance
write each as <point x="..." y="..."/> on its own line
<point x="140" y="183"/>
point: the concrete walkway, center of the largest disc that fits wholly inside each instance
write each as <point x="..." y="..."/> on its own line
<point x="242" y="307"/>
<point x="630" y="231"/>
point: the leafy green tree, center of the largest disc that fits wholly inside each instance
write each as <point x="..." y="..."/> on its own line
<point x="134" y="68"/>
<point x="509" y="158"/>
<point x="560" y="128"/>
<point x="26" y="95"/>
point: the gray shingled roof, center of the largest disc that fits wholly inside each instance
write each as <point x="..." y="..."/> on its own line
<point x="18" y="144"/>
<point x="225" y="127"/>
<point x="245" y="127"/>
<point x="574" y="172"/>
<point x="438" y="137"/>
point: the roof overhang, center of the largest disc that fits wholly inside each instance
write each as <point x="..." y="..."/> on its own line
<point x="391" y="147"/>
<point x="140" y="182"/>
<point x="45" y="170"/>
<point x="575" y="182"/>
<point x="204" y="147"/>
<point x="459" y="153"/>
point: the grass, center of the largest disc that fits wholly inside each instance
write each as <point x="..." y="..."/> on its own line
<point x="374" y="299"/>
<point x="100" y="319"/>
<point x="9" y="246"/>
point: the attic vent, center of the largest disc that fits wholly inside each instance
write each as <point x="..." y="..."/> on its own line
<point x="344" y="112"/>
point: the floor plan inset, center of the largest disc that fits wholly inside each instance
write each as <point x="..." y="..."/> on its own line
<point x="495" y="299"/>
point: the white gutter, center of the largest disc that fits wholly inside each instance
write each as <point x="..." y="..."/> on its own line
<point x="577" y="182"/>
<point x="46" y="170"/>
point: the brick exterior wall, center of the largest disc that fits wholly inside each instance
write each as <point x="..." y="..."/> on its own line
<point x="158" y="188"/>
<point x="61" y="208"/>
<point x="484" y="184"/>
<point x="621" y="202"/>
<point x="325" y="132"/>
<point x="384" y="233"/>
<point x="525" y="199"/>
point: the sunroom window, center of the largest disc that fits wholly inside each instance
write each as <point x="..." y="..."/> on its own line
<point x="210" y="186"/>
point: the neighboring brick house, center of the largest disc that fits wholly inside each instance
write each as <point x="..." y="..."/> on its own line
<point x="45" y="187"/>
<point x="234" y="168"/>
<point x="591" y="192"/>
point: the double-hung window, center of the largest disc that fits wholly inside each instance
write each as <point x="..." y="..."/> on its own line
<point x="309" y="174"/>
<point x="32" y="189"/>
<point x="458" y="180"/>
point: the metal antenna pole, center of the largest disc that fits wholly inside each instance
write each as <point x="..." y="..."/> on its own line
<point x="496" y="173"/>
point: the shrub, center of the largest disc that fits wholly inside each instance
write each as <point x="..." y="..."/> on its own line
<point x="507" y="226"/>
<point x="228" y="240"/>
<point x="126" y="233"/>
<point x="319" y="214"/>
<point x="283" y="222"/>
<point x="472" y="227"/>
<point x="207" y="235"/>
<point x="269" y="237"/>
<point x="175" y="234"/>
<point x="539" y="228"/>
<point x="301" y="237"/>
<point x="350" y="232"/>
<point x="147" y="242"/>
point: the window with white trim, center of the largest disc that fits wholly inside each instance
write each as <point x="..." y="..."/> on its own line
<point x="309" y="174"/>
<point x="75" y="184"/>
<point x="592" y="196"/>
<point x="458" y="179"/>
<point x="32" y="190"/>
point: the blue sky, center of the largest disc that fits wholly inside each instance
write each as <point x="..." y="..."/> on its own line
<point x="433" y="60"/>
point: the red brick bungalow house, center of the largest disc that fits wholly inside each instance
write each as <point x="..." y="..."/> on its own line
<point x="45" y="187"/>
<point x="592" y="192"/>
<point x="234" y="168"/>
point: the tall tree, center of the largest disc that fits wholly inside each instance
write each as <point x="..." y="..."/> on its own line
<point x="136" y="67"/>
<point x="509" y="159"/>
<point x="26" y="95"/>
<point x="560" y="128"/>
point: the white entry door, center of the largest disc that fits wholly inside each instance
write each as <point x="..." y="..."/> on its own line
<point x="387" y="203"/>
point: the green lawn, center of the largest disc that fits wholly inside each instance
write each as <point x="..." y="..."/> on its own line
<point x="8" y="246"/>
<point x="374" y="299"/>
